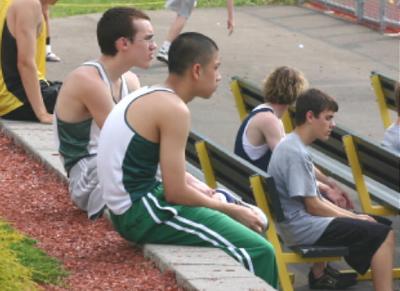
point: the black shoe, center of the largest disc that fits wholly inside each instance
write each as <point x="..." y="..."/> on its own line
<point x="329" y="282"/>
<point x="337" y="274"/>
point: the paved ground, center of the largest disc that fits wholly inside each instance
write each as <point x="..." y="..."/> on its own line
<point x="336" y="56"/>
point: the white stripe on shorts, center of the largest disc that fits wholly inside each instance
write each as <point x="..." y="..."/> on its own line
<point x="208" y="234"/>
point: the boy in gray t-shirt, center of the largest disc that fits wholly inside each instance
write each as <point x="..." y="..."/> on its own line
<point x="294" y="161"/>
<point x="311" y="219"/>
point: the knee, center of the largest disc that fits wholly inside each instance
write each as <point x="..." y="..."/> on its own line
<point x="390" y="239"/>
<point x="268" y="250"/>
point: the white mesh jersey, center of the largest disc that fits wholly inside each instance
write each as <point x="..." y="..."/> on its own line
<point x="80" y="139"/>
<point x="126" y="162"/>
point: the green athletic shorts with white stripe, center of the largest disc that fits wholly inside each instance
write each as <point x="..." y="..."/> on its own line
<point x="152" y="220"/>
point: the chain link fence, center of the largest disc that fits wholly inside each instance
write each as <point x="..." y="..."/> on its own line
<point x="382" y="13"/>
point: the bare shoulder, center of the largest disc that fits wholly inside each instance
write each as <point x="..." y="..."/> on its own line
<point x="81" y="85"/>
<point x="84" y="79"/>
<point x="27" y="3"/>
<point x="132" y="81"/>
<point x="26" y="7"/>
<point x="25" y="12"/>
<point x="160" y="106"/>
<point x="83" y="95"/>
<point x="266" y="118"/>
<point x="170" y="104"/>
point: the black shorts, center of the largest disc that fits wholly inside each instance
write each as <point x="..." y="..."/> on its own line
<point x="363" y="238"/>
<point x="25" y="112"/>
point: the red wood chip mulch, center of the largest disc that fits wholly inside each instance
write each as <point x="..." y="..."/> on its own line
<point x="36" y="203"/>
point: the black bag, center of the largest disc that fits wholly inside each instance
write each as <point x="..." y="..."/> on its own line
<point x="50" y="90"/>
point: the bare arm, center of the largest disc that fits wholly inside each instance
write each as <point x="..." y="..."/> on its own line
<point x="272" y="129"/>
<point x="84" y="95"/>
<point x="97" y="99"/>
<point x="322" y="207"/>
<point x="45" y="11"/>
<point x="172" y="160"/>
<point x="333" y="191"/>
<point x="199" y="185"/>
<point x="132" y="81"/>
<point x="230" y="21"/>
<point x="27" y="22"/>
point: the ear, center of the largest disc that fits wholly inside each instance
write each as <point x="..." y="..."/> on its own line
<point x="121" y="43"/>
<point x="196" y="71"/>
<point x="309" y="116"/>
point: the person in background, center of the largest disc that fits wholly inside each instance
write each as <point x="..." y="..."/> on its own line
<point x="263" y="129"/>
<point x="25" y="94"/>
<point x="391" y="139"/>
<point x="183" y="9"/>
<point x="50" y="55"/>
<point x="310" y="219"/>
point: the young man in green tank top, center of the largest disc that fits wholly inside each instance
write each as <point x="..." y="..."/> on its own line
<point x="125" y="37"/>
<point x="150" y="127"/>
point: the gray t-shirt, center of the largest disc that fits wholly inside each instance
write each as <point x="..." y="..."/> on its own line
<point x="292" y="168"/>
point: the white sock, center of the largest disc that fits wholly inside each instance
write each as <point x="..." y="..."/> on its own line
<point x="48" y="49"/>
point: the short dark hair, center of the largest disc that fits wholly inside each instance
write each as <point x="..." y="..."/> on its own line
<point x="313" y="100"/>
<point x="115" y="23"/>
<point x="190" y="48"/>
<point x="283" y="85"/>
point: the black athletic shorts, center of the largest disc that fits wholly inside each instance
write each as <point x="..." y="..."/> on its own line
<point x="25" y="112"/>
<point x="363" y="238"/>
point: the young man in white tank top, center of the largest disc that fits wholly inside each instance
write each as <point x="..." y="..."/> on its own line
<point x="151" y="127"/>
<point x="125" y="37"/>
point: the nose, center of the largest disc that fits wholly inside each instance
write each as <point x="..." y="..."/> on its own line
<point x="333" y="123"/>
<point x="219" y="77"/>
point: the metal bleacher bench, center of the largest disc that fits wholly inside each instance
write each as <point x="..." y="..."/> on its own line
<point x="253" y="185"/>
<point x="384" y="88"/>
<point x="349" y="158"/>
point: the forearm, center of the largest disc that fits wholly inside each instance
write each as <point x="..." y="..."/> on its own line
<point x="30" y="81"/>
<point x="321" y="177"/>
<point x="323" y="207"/>
<point x="190" y="195"/>
<point x="229" y="6"/>
<point x="199" y="185"/>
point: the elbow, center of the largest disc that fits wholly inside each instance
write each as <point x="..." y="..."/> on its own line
<point x="24" y="64"/>
<point x="312" y="208"/>
<point x="170" y="196"/>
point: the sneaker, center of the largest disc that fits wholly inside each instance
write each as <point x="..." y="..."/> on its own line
<point x="52" y="57"/>
<point x="337" y="274"/>
<point x="162" y="55"/>
<point x="329" y="282"/>
<point x="228" y="197"/>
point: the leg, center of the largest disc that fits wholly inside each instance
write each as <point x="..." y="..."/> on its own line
<point x="183" y="9"/>
<point x="152" y="220"/>
<point x="370" y="245"/>
<point x="23" y="113"/>
<point x="176" y="27"/>
<point x="50" y="56"/>
<point x="382" y="264"/>
<point x="318" y="269"/>
<point x="84" y="187"/>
